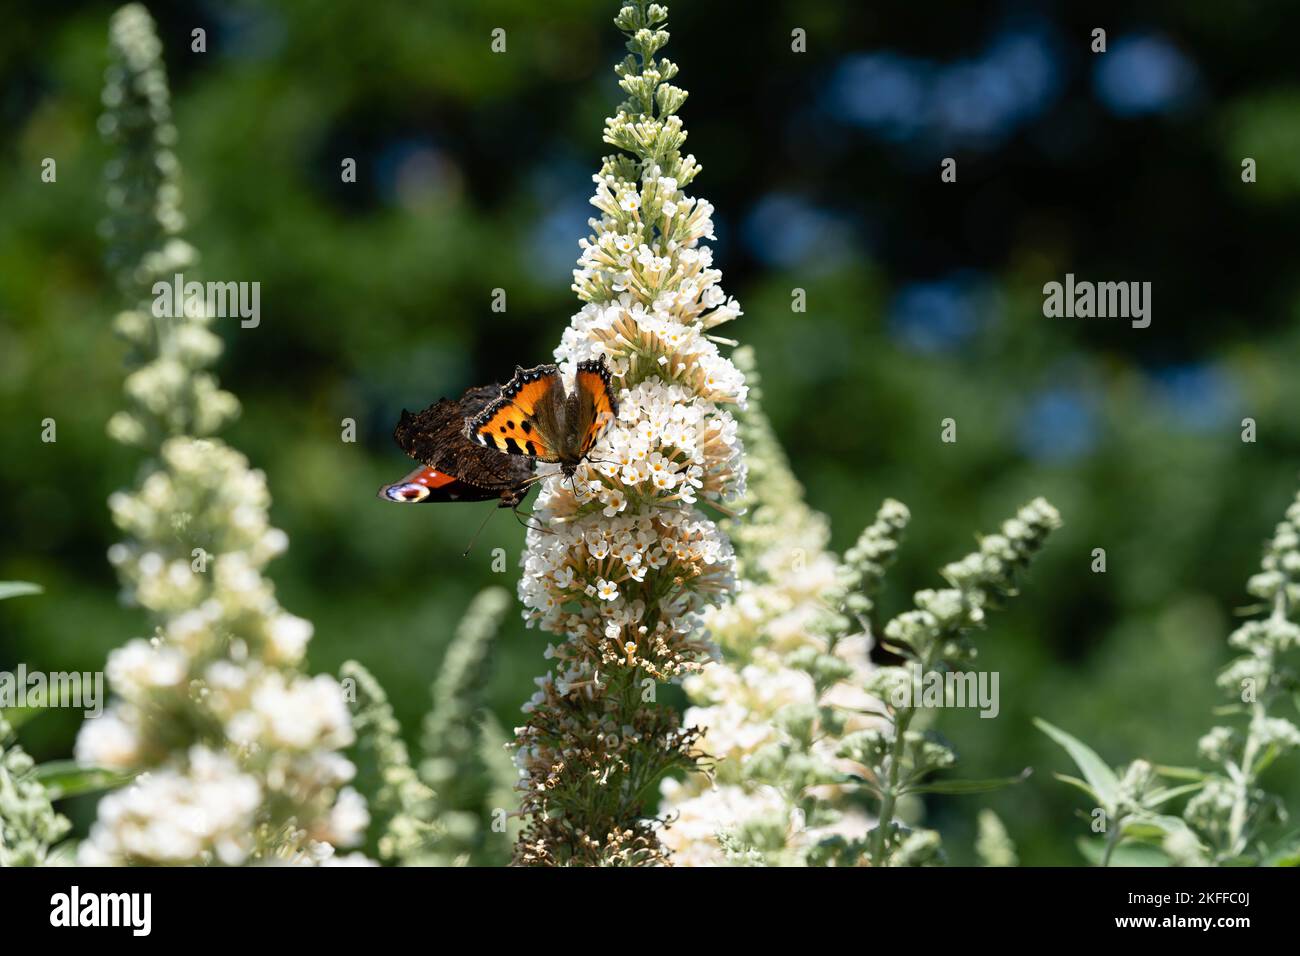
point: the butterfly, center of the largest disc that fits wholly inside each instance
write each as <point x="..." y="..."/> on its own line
<point x="455" y="468"/>
<point x="535" y="418"/>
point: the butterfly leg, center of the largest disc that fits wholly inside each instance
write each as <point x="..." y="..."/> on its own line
<point x="522" y="516"/>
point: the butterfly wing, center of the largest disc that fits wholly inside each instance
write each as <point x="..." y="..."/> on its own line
<point x="456" y="469"/>
<point x="427" y="484"/>
<point x="435" y="436"/>
<point x="595" y="407"/>
<point x="527" y="418"/>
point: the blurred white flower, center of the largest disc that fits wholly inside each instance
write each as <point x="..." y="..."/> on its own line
<point x="108" y="741"/>
<point x="238" y="746"/>
<point x="139" y="666"/>
<point x="169" y="817"/>
<point x="349" y="819"/>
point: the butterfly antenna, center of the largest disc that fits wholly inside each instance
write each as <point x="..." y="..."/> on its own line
<point x="470" y="546"/>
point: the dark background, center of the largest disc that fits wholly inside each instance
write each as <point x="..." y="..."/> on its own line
<point x="924" y="302"/>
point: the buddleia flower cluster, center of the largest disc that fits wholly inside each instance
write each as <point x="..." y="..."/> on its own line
<point x="812" y="754"/>
<point x="30" y="829"/>
<point x="624" y="561"/>
<point x="236" y="750"/>
<point x="788" y="686"/>
<point x="1232" y="812"/>
<point x="933" y="638"/>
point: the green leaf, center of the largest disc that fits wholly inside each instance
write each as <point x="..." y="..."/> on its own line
<point x="1142" y="830"/>
<point x="1076" y="782"/>
<point x="1126" y="854"/>
<point x="1287" y="853"/>
<point x="1099" y="776"/>
<point x="10" y="589"/>
<point x="967" y="786"/>
<point x="64" y="778"/>
<point x="1155" y="827"/>
<point x="1157" y="797"/>
<point x="1180" y="773"/>
<point x="1266" y="760"/>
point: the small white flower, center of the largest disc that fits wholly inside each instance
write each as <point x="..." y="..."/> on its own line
<point x="614" y="501"/>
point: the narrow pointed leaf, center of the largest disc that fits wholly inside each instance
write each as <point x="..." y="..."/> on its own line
<point x="1180" y="773"/>
<point x="1076" y="782"/>
<point x="967" y="786"/>
<point x="10" y="589"/>
<point x="65" y="778"/>
<point x="1095" y="770"/>
<point x="1157" y="797"/>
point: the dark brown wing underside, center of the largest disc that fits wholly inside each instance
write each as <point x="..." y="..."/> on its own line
<point x="436" y="437"/>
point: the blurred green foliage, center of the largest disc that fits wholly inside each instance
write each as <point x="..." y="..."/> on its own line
<point x="923" y="302"/>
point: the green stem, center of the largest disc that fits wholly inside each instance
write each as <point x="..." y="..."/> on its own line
<point x="889" y="792"/>
<point x="1112" y="840"/>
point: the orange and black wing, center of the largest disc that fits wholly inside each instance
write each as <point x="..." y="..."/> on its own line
<point x="522" y="421"/>
<point x="596" y="404"/>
